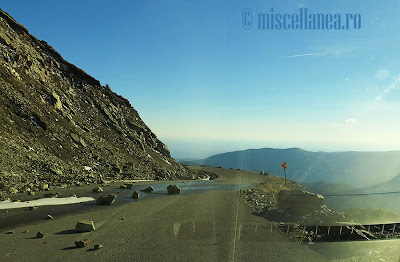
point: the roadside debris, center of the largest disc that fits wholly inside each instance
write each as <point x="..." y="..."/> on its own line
<point x="135" y="194"/>
<point x="82" y="243"/>
<point x="98" y="246"/>
<point x="84" y="226"/>
<point x="148" y="189"/>
<point x="173" y="189"/>
<point x="106" y="200"/>
<point x="97" y="189"/>
<point x="129" y="185"/>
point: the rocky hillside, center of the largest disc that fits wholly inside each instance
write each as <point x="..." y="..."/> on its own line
<point x="58" y="125"/>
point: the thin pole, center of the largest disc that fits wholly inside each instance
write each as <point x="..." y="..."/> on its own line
<point x="284" y="170"/>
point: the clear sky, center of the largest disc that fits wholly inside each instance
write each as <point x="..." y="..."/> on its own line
<point x="204" y="84"/>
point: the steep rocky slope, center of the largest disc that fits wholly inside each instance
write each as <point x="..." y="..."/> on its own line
<point x="58" y="125"/>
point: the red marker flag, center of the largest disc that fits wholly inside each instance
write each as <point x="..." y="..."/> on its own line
<point x="284" y="165"/>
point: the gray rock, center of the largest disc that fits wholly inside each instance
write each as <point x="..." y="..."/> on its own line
<point x="43" y="187"/>
<point x="148" y="189"/>
<point x="84" y="226"/>
<point x="82" y="243"/>
<point x="56" y="101"/>
<point x="56" y="171"/>
<point x="136" y="194"/>
<point x="173" y="190"/>
<point x="106" y="200"/>
<point x="12" y="190"/>
<point x="51" y="195"/>
<point x="79" y="140"/>
<point x="129" y="185"/>
<point x="97" y="189"/>
<point x="39" y="235"/>
<point x="98" y="246"/>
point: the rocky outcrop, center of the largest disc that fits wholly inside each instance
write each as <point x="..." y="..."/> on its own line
<point x="299" y="202"/>
<point x="61" y="127"/>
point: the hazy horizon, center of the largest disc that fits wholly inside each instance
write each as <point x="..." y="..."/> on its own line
<point x="199" y="149"/>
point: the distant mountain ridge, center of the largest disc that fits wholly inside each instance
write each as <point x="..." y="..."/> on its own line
<point x="360" y="169"/>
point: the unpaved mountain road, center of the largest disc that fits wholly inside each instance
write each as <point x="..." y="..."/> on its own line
<point x="210" y="224"/>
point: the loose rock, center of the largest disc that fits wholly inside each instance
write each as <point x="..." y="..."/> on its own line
<point x="173" y="189"/>
<point x="97" y="189"/>
<point x="135" y="194"/>
<point x="84" y="226"/>
<point x="51" y="195"/>
<point x="12" y="190"/>
<point x="82" y="243"/>
<point x="106" y="200"/>
<point x="148" y="189"/>
<point x="43" y="187"/>
<point x="98" y="246"/>
<point x="129" y="185"/>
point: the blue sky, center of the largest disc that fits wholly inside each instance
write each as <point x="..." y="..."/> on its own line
<point x="204" y="84"/>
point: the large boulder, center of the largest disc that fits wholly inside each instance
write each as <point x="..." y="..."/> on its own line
<point x="173" y="189"/>
<point x="299" y="202"/>
<point x="106" y="200"/>
<point x="84" y="226"/>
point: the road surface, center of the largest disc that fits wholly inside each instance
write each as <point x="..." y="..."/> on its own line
<point x="211" y="224"/>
